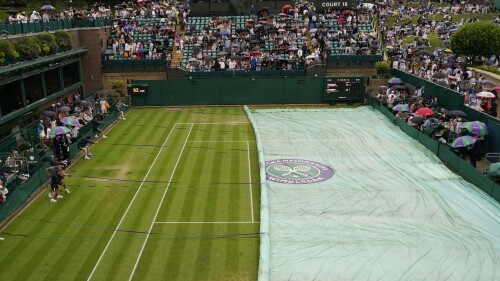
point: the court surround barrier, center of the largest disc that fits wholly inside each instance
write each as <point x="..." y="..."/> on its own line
<point x="231" y="91"/>
<point x="445" y="153"/>
<point x="38" y="178"/>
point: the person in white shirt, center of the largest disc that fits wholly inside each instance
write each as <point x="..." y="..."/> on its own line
<point x="222" y="64"/>
<point x="126" y="54"/>
<point x="232" y="65"/>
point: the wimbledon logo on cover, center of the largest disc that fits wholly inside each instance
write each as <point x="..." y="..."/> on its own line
<point x="297" y="171"/>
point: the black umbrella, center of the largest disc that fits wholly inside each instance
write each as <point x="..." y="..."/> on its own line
<point x="456" y="113"/>
<point x="442" y="83"/>
<point x="439" y="75"/>
<point x="48" y="113"/>
<point x="64" y="109"/>
<point x="399" y="87"/>
<point x="85" y="103"/>
<point x="75" y="114"/>
<point x="417" y="119"/>
<point x="11" y="11"/>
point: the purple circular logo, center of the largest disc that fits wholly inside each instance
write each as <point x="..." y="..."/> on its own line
<point x="297" y="171"/>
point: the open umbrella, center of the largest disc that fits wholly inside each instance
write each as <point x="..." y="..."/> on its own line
<point x="48" y="113"/>
<point x="399" y="87"/>
<point x="439" y="75"/>
<point x="11" y="11"/>
<point x="68" y="121"/>
<point x="494" y="171"/>
<point x="475" y="128"/>
<point x="463" y="141"/>
<point x="59" y="130"/>
<point x="417" y="119"/>
<point x="128" y="27"/>
<point x="64" y="109"/>
<point x="454" y="113"/>
<point x="401" y="108"/>
<point x="108" y="52"/>
<point x="485" y="95"/>
<point x="496" y="88"/>
<point x="85" y="103"/>
<point x="424" y="111"/>
<point x="47" y="8"/>
<point x="394" y="81"/>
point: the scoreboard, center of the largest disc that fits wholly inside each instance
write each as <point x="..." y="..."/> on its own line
<point x="136" y="89"/>
<point x="348" y="88"/>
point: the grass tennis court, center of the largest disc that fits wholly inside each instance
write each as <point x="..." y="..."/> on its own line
<point x="172" y="194"/>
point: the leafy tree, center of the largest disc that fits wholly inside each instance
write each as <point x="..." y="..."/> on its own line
<point x="476" y="40"/>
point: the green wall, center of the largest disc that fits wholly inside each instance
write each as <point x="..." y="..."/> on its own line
<point x="228" y="91"/>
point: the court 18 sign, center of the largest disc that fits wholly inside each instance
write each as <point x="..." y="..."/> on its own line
<point x="297" y="171"/>
<point x="333" y="4"/>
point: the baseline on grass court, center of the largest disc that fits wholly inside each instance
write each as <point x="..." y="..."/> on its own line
<point x="181" y="154"/>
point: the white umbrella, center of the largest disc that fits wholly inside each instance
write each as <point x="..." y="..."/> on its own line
<point x="485" y="95"/>
<point x="310" y="57"/>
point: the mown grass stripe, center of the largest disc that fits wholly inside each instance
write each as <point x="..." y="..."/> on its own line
<point x="126" y="211"/>
<point x="159" y="206"/>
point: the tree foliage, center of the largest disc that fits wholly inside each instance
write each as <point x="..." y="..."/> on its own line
<point x="477" y="39"/>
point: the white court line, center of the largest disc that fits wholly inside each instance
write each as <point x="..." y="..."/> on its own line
<point x="215" y="123"/>
<point x="220" y="141"/>
<point x="207" y="222"/>
<point x="129" y="205"/>
<point x="250" y="179"/>
<point x="161" y="203"/>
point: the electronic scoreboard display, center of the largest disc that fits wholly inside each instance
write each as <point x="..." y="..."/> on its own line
<point x="349" y="88"/>
<point x="136" y="89"/>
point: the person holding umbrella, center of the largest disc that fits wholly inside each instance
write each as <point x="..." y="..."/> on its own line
<point x="475" y="151"/>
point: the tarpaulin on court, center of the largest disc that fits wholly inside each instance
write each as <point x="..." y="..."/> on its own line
<point x="352" y="197"/>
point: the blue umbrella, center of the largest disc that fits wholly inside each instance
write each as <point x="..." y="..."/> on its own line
<point x="128" y="27"/>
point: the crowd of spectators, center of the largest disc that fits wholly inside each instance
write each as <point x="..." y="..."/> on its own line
<point x="439" y="65"/>
<point x="293" y="39"/>
<point x="144" y="30"/>
<point x="99" y="10"/>
<point x="427" y="116"/>
<point x="72" y="115"/>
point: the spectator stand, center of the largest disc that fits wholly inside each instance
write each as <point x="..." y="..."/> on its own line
<point x="235" y="43"/>
<point x="142" y="36"/>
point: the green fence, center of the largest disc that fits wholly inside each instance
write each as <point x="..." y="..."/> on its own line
<point x="231" y="91"/>
<point x="7" y="144"/>
<point x="354" y="58"/>
<point x="446" y="154"/>
<point x="25" y="190"/>
<point x="452" y="100"/>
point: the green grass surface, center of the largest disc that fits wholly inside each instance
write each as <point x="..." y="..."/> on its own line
<point x="172" y="194"/>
